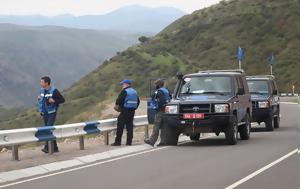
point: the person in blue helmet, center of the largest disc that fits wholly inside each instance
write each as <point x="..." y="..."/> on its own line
<point x="127" y="102"/>
<point x="160" y="98"/>
<point x="48" y="103"/>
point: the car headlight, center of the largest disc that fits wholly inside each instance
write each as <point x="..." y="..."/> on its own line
<point x="221" y="108"/>
<point x="171" y="109"/>
<point x="264" y="104"/>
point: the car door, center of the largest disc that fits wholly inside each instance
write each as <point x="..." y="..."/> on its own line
<point x="248" y="102"/>
<point x="275" y="97"/>
<point x="243" y="99"/>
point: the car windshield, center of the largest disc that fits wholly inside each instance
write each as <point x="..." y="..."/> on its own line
<point x="217" y="85"/>
<point x="258" y="87"/>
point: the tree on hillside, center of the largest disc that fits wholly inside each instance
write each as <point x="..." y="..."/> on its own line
<point x="143" y="39"/>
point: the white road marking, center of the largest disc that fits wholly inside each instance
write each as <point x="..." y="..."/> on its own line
<point x="262" y="169"/>
<point x="83" y="167"/>
<point x="92" y="165"/>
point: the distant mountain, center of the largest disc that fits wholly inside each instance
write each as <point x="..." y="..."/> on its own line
<point x="27" y="53"/>
<point x="133" y="19"/>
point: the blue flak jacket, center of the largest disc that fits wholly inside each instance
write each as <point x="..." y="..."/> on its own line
<point x="131" y="100"/>
<point x="154" y="101"/>
<point x="43" y="105"/>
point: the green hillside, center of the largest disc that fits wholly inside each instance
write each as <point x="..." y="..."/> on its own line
<point x="7" y="114"/>
<point x="206" y="39"/>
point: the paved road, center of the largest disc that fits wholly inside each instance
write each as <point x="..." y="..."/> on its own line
<point x="208" y="164"/>
<point x="284" y="175"/>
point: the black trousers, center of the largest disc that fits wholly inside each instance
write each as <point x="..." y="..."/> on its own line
<point x="49" y="120"/>
<point x="125" y="119"/>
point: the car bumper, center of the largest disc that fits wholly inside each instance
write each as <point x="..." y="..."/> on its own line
<point x="260" y="114"/>
<point x="211" y="123"/>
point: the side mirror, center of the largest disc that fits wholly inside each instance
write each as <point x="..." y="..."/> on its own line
<point x="179" y="75"/>
<point x="275" y="92"/>
<point x="240" y="91"/>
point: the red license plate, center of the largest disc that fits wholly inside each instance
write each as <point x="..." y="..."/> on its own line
<point x="193" y="116"/>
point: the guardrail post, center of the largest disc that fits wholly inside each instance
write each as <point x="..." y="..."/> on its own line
<point x="15" y="153"/>
<point x="106" y="138"/>
<point x="147" y="131"/>
<point x="81" y="142"/>
<point x="51" y="147"/>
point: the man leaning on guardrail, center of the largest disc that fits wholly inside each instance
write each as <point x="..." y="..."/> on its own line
<point x="126" y="103"/>
<point x="159" y="99"/>
<point x="48" y="103"/>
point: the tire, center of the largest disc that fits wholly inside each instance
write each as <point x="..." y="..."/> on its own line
<point x="171" y="135"/>
<point x="277" y="121"/>
<point x="231" y="132"/>
<point x="270" y="123"/>
<point x="246" y="128"/>
<point x="195" y="137"/>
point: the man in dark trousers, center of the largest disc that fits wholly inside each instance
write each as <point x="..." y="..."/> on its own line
<point x="127" y="102"/>
<point x="160" y="98"/>
<point x="49" y="101"/>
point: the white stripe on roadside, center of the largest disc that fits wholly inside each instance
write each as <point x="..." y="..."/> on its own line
<point x="82" y="167"/>
<point x="96" y="164"/>
<point x="262" y="169"/>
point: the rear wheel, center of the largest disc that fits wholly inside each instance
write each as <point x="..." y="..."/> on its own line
<point x="231" y="133"/>
<point x="195" y="136"/>
<point x="245" y="129"/>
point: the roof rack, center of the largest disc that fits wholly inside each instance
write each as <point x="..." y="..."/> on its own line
<point x="262" y="76"/>
<point x="237" y="71"/>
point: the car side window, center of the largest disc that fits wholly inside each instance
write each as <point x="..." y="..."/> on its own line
<point x="241" y="84"/>
<point x="273" y="85"/>
<point x="236" y="85"/>
<point x="245" y="84"/>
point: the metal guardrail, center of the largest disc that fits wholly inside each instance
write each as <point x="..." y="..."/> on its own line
<point x="289" y="95"/>
<point x="18" y="137"/>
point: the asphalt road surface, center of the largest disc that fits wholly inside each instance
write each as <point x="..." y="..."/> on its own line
<point x="267" y="160"/>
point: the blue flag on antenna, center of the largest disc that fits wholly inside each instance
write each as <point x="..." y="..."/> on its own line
<point x="272" y="59"/>
<point x="240" y="53"/>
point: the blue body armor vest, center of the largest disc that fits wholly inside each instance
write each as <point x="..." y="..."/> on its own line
<point x="43" y="105"/>
<point x="131" y="100"/>
<point x="154" y="101"/>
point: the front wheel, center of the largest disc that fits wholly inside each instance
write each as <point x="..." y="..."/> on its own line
<point x="195" y="137"/>
<point x="277" y="121"/>
<point x="270" y="123"/>
<point x="245" y="129"/>
<point x="170" y="134"/>
<point x="231" y="132"/>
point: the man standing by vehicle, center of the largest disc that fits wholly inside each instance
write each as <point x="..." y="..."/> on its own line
<point x="49" y="101"/>
<point x="160" y="98"/>
<point x="126" y="103"/>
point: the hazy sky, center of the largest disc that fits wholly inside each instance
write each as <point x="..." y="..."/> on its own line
<point x="81" y="7"/>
